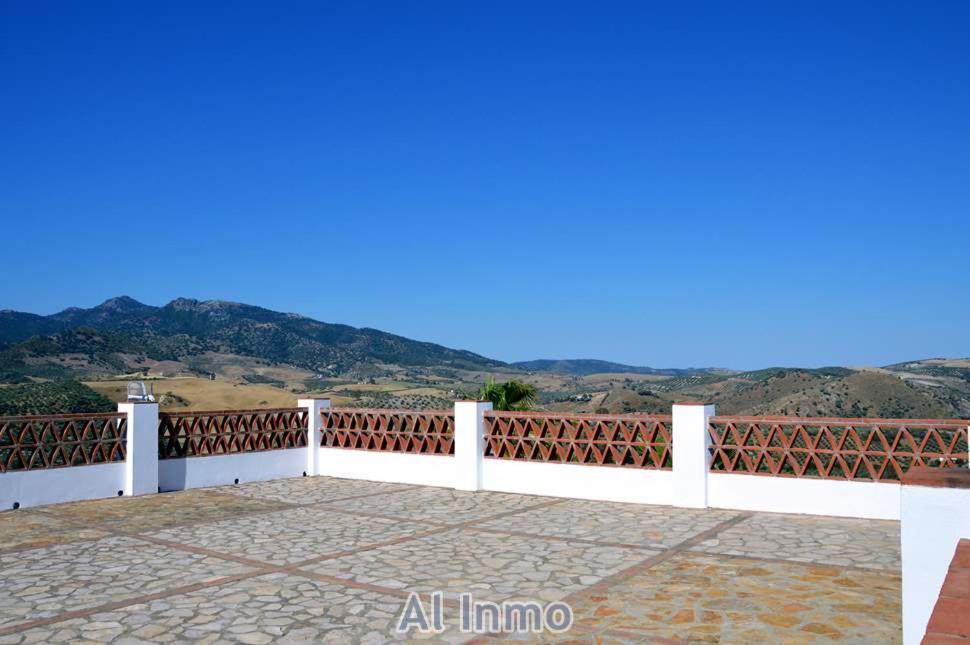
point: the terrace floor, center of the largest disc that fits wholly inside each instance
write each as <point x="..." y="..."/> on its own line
<point x="321" y="559"/>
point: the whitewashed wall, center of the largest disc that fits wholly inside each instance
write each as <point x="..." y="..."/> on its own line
<point x="394" y="467"/>
<point x="803" y="495"/>
<point x="53" y="486"/>
<point x="606" y="483"/>
<point x="220" y="470"/>
<point x="932" y="522"/>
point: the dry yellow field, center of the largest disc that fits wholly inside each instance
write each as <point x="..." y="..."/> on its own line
<point x="618" y="377"/>
<point x="383" y="386"/>
<point x="203" y="394"/>
<point x="424" y="391"/>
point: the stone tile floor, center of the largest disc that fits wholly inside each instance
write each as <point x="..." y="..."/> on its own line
<point x="329" y="560"/>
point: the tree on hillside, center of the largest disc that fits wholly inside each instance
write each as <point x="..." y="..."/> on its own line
<point x="511" y="395"/>
<point x="52" y="397"/>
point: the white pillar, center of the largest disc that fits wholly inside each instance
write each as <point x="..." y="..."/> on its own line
<point x="691" y="455"/>
<point x="469" y="443"/>
<point x="141" y="448"/>
<point x="314" y="425"/>
<point x="934" y="516"/>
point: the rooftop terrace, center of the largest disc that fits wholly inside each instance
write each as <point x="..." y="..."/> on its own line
<point x="327" y="559"/>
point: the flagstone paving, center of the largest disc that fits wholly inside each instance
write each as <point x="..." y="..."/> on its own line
<point x="326" y="560"/>
<point x="440" y="504"/>
<point x="310" y="533"/>
<point x="647" y="526"/>
<point x="493" y="567"/>
<point x="32" y="528"/>
<point x="39" y="583"/>
<point x="824" y="540"/>
<point x="312" y="490"/>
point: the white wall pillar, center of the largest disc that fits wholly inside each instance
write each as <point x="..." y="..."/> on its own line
<point x="469" y="443"/>
<point x="691" y="455"/>
<point x="934" y="516"/>
<point x="314" y="427"/>
<point x="141" y="448"/>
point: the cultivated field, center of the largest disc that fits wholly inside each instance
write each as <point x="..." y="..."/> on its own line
<point x="189" y="393"/>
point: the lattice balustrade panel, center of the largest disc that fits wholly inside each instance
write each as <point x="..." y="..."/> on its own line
<point x="424" y="432"/>
<point x="635" y="441"/>
<point x="224" y="432"/>
<point x="61" y="440"/>
<point x="855" y="449"/>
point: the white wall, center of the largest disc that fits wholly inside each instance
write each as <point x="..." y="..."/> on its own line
<point x="606" y="483"/>
<point x="933" y="521"/>
<point x="56" y="485"/>
<point x="396" y="467"/>
<point x="219" y="470"/>
<point x="870" y="500"/>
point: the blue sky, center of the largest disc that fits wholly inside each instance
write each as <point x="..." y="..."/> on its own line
<point x="733" y="184"/>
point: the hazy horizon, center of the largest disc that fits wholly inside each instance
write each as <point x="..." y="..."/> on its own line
<point x="517" y="360"/>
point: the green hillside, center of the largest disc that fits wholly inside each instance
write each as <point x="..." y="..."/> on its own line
<point x="51" y="397"/>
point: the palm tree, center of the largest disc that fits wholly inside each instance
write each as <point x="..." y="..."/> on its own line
<point x="511" y="395"/>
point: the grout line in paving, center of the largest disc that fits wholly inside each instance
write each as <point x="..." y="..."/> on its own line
<point x="828" y="565"/>
<point x="625" y="636"/>
<point x="28" y="546"/>
<point x="439" y="528"/>
<point x="625" y="574"/>
<point x="423" y="534"/>
<point x="366" y="586"/>
<point x="394" y="491"/>
<point x="572" y="540"/>
<point x="380" y="516"/>
<point x="120" y="604"/>
<point x="259" y="568"/>
<point x="49" y="511"/>
<point x="180" y="546"/>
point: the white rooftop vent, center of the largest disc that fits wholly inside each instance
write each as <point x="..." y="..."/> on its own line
<point x="138" y="394"/>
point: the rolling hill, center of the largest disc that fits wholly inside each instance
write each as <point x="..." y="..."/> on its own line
<point x="215" y="354"/>
<point x="122" y="335"/>
<point x="587" y="366"/>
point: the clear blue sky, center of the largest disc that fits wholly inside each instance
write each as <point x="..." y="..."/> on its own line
<point x="734" y="184"/>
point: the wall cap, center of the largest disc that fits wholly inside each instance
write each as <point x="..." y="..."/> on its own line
<point x="937" y="477"/>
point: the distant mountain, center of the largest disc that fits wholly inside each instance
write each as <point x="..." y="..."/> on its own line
<point x="587" y="366"/>
<point x="16" y="326"/>
<point x="107" y="336"/>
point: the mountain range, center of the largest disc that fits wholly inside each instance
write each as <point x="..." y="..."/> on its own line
<point x="268" y="356"/>
<point x="122" y="332"/>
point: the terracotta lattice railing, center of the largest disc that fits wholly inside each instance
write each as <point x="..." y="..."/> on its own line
<point x="221" y="432"/>
<point x="420" y="432"/>
<point x="855" y="449"/>
<point x="636" y="441"/>
<point x="61" y="440"/>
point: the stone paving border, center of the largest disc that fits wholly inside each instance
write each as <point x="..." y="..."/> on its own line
<point x="259" y="568"/>
<point x="663" y="556"/>
<point x="50" y="512"/>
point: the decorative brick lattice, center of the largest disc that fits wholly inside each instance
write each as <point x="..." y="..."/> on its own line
<point x="426" y="432"/>
<point x="636" y="441"/>
<point x="197" y="434"/>
<point x="61" y="440"/>
<point x="855" y="449"/>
